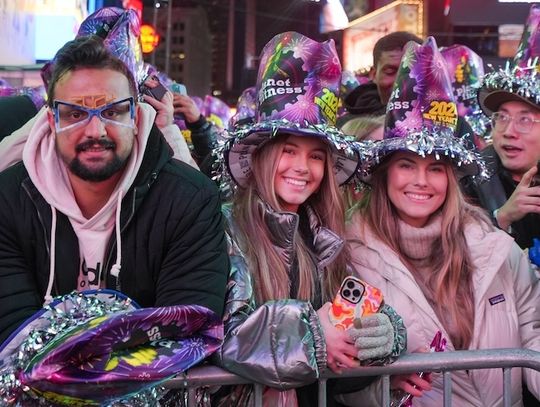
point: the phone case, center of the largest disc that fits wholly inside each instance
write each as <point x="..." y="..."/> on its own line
<point x="179" y="88"/>
<point x="158" y="92"/>
<point x="355" y="299"/>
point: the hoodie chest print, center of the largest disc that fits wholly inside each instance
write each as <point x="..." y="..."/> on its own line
<point x="90" y="276"/>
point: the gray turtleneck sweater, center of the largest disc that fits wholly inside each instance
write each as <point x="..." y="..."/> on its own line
<point x="417" y="245"/>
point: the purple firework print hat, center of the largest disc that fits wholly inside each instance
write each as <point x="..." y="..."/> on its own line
<point x="120" y="30"/>
<point x="466" y="70"/>
<point x="421" y="115"/>
<point x="520" y="79"/>
<point x="98" y="347"/>
<point x="298" y="86"/>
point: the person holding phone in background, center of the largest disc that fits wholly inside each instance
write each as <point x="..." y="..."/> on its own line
<point x="438" y="259"/>
<point x="153" y="92"/>
<point x="204" y="134"/>
<point x="288" y="259"/>
<point x="511" y="97"/>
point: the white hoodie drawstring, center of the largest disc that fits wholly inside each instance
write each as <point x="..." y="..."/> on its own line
<point x="52" y="258"/>
<point x="115" y="269"/>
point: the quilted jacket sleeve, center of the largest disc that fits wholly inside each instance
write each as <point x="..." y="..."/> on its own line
<point x="203" y="137"/>
<point x="195" y="264"/>
<point x="279" y="343"/>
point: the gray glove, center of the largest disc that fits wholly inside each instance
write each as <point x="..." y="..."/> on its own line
<point x="373" y="336"/>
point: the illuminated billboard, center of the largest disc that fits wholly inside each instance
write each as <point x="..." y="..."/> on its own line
<point x="17" y="34"/>
<point x="34" y="30"/>
<point x="362" y="34"/>
<point x="57" y="22"/>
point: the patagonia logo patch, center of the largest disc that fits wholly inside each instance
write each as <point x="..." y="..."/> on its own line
<point x="497" y="299"/>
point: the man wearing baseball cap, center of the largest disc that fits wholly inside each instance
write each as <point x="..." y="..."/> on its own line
<point x="511" y="97"/>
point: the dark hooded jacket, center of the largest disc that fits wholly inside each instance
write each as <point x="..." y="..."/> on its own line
<point x="172" y="240"/>
<point x="362" y="101"/>
<point x="15" y="111"/>
<point x="492" y="193"/>
<point x="365" y="100"/>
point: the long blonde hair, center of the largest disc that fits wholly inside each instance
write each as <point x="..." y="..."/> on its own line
<point x="450" y="259"/>
<point x="268" y="268"/>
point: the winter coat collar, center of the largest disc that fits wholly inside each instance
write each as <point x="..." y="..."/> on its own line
<point x="375" y="255"/>
<point x="282" y="227"/>
<point x="156" y="155"/>
<point x="489" y="249"/>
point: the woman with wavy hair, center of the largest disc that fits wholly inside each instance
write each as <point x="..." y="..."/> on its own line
<point x="267" y="262"/>
<point x="440" y="262"/>
<point x="452" y="284"/>
<point x="286" y="228"/>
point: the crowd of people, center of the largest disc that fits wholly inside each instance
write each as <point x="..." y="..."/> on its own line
<point x="421" y="183"/>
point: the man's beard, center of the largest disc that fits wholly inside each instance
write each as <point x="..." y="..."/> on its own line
<point x="100" y="174"/>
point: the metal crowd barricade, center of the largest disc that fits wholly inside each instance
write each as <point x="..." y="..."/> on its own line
<point x="444" y="362"/>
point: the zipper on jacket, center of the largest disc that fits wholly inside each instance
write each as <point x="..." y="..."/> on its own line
<point x="46" y="237"/>
<point x="153" y="177"/>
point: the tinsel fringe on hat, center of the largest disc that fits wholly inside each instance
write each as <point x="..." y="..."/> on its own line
<point x="85" y="308"/>
<point x="439" y="141"/>
<point x="523" y="81"/>
<point x="328" y="133"/>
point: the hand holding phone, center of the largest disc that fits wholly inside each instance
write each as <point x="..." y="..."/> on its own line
<point x="153" y="87"/>
<point x="185" y="107"/>
<point x="179" y="88"/>
<point x="355" y="299"/>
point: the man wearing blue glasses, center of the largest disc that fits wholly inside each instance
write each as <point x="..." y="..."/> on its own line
<point x="98" y="201"/>
<point x="512" y="194"/>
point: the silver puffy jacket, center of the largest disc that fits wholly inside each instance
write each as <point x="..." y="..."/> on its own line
<point x="279" y="343"/>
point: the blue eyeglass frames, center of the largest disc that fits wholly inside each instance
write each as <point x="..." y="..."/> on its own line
<point x="119" y="113"/>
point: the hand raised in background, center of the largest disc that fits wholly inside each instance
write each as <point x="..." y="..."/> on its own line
<point x="183" y="104"/>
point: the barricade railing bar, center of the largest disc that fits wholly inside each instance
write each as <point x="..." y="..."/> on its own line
<point x="444" y="362"/>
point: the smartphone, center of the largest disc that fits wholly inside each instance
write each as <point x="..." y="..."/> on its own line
<point x="355" y="299"/>
<point x="157" y="92"/>
<point x="536" y="179"/>
<point x="179" y="88"/>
